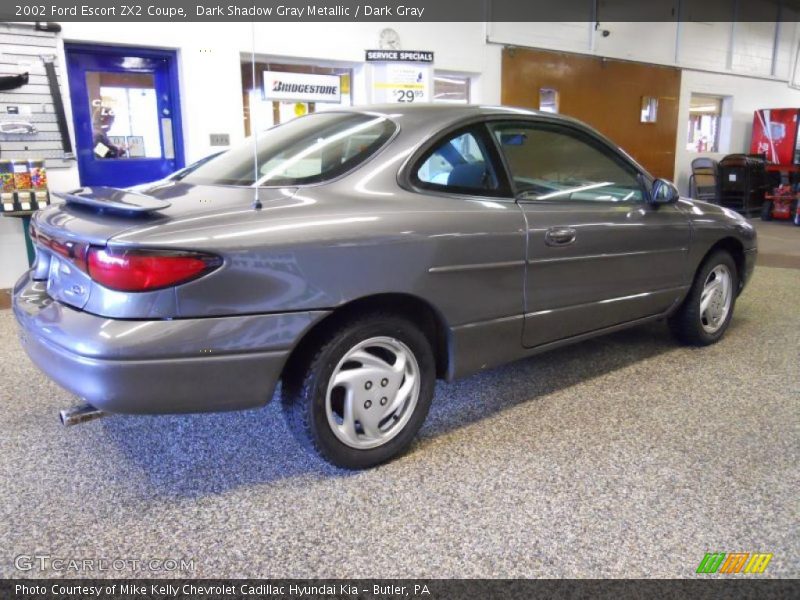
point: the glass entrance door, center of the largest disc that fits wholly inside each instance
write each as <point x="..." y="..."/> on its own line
<point x="126" y="114"/>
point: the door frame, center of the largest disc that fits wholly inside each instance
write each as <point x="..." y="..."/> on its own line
<point x="147" y="52"/>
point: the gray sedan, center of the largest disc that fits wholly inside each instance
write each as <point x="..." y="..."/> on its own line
<point x="359" y="255"/>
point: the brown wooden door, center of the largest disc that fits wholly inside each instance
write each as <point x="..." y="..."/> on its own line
<point x="606" y="94"/>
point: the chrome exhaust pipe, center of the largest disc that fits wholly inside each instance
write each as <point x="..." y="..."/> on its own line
<point x="80" y="414"/>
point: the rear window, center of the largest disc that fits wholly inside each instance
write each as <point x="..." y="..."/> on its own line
<point x="310" y="149"/>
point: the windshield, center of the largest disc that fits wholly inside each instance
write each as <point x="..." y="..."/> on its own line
<point x="310" y="149"/>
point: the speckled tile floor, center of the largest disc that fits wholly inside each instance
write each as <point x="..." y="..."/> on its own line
<point x="778" y="243"/>
<point x="622" y="456"/>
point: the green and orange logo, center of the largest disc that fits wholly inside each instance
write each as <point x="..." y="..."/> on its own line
<point x="734" y="562"/>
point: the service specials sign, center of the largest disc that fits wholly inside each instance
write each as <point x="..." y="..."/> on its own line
<point x="400" y="75"/>
<point x="302" y="87"/>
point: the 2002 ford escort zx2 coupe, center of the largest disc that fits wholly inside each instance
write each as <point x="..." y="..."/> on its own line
<point x="364" y="254"/>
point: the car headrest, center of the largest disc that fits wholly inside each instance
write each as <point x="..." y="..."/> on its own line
<point x="468" y="175"/>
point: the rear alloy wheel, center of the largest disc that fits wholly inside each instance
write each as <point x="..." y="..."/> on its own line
<point x="372" y="393"/>
<point x="361" y="399"/>
<point x="707" y="310"/>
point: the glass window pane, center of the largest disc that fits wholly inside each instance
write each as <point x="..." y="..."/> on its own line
<point x="450" y="88"/>
<point x="310" y="149"/>
<point x="649" y="112"/>
<point x="551" y="164"/>
<point x="458" y="163"/>
<point x="124" y="115"/>
<point x="704" y="122"/>
<point x="548" y="100"/>
<point x="263" y="113"/>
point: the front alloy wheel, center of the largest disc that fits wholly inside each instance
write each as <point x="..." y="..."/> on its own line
<point x="716" y="299"/>
<point x="708" y="307"/>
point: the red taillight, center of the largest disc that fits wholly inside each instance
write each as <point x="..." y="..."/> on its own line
<point x="74" y="252"/>
<point x="145" y="270"/>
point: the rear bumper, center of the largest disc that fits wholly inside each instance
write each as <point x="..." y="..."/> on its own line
<point x="150" y="367"/>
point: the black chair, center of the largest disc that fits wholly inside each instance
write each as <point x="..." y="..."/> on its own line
<point x="704" y="181"/>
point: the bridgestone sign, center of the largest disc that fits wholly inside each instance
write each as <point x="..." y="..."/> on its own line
<point x="301" y="87"/>
<point x="297" y="88"/>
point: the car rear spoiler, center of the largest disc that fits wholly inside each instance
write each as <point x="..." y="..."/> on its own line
<point x="114" y="199"/>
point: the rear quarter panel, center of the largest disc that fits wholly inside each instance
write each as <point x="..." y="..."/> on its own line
<point x="338" y="246"/>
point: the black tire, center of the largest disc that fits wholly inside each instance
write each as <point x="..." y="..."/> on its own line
<point x="686" y="323"/>
<point x="305" y="389"/>
<point x="766" y="210"/>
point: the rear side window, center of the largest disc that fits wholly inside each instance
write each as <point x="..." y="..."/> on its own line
<point x="459" y="164"/>
<point x="311" y="149"/>
<point x="555" y="163"/>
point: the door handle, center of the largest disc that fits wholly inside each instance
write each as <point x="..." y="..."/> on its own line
<point x="559" y="236"/>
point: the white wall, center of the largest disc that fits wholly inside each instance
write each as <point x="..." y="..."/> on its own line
<point x="736" y="48"/>
<point x="13" y="257"/>
<point x="745" y="96"/>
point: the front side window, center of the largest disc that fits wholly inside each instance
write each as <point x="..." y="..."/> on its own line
<point x="459" y="164"/>
<point x="307" y="150"/>
<point x="554" y="163"/>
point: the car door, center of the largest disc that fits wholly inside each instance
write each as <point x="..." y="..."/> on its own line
<point x="598" y="252"/>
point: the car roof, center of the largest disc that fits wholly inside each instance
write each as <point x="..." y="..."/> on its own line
<point x="455" y="112"/>
<point x="452" y="110"/>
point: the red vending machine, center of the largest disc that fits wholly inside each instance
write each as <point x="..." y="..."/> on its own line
<point x="775" y="136"/>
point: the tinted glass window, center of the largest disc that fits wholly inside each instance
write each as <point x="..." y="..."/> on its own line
<point x="310" y="149"/>
<point x="549" y="163"/>
<point x="460" y="163"/>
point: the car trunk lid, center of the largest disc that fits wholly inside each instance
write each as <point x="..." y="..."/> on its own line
<point x="94" y="216"/>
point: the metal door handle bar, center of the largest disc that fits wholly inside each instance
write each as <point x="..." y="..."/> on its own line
<point x="559" y="236"/>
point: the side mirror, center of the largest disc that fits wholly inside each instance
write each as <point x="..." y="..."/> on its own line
<point x="663" y="192"/>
